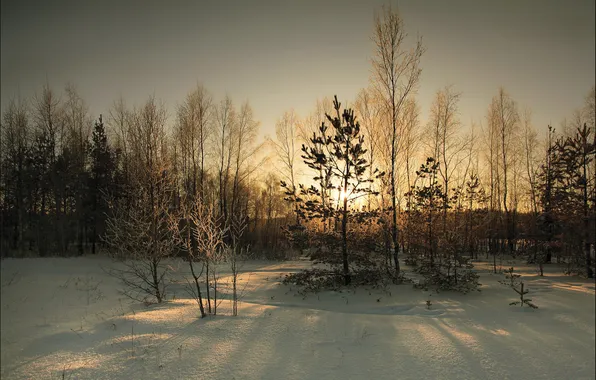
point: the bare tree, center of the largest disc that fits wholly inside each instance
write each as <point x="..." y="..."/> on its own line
<point x="49" y="135"/>
<point x="226" y="119"/>
<point x="446" y="143"/>
<point x="410" y="138"/>
<point x="237" y="226"/>
<point x="47" y="115"/>
<point x="491" y="157"/>
<point x="209" y="236"/>
<point x="286" y="148"/>
<point x="409" y="148"/>
<point x="396" y="72"/>
<point x="368" y="112"/>
<point x="531" y="159"/>
<point x="138" y="231"/>
<point x="193" y="128"/>
<point x="141" y="240"/>
<point x="182" y="232"/>
<point x="78" y="129"/>
<point x="504" y="120"/>
<point x="244" y="135"/>
<point x="119" y="121"/>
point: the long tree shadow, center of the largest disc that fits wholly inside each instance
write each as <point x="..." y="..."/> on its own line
<point x="278" y="334"/>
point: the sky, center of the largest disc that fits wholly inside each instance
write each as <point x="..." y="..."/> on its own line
<point x="286" y="54"/>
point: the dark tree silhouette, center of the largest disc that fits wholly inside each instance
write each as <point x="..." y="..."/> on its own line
<point x="339" y="153"/>
<point x="101" y="180"/>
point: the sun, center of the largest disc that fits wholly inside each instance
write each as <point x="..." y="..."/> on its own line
<point x="342" y="195"/>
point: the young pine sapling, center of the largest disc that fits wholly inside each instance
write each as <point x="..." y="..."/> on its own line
<point x="522" y="301"/>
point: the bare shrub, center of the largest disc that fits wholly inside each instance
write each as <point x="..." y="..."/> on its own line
<point x="140" y="240"/>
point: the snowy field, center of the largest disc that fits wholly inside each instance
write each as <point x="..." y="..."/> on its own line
<point x="64" y="319"/>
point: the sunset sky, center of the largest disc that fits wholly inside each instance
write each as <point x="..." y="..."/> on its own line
<point x="285" y="54"/>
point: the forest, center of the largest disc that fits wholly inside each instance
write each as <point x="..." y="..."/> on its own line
<point x="361" y="186"/>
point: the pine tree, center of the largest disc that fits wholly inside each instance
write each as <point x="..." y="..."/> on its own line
<point x="522" y="300"/>
<point x="428" y="197"/>
<point x="568" y="194"/>
<point x="547" y="224"/>
<point x="338" y="153"/>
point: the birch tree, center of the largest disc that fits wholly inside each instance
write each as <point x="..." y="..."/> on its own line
<point x="287" y="150"/>
<point x="244" y="136"/>
<point x="504" y="119"/>
<point x="396" y="73"/>
<point x="446" y="143"/>
<point x="223" y="139"/>
<point x="193" y="129"/>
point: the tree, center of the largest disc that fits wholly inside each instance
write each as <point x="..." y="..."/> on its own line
<point x="522" y="301"/>
<point x="410" y="138"/>
<point x="286" y="148"/>
<point x="427" y="201"/>
<point x="340" y="153"/>
<point x="140" y="239"/>
<point x="272" y="209"/>
<point x="193" y="129"/>
<point x="571" y="185"/>
<point x="307" y="130"/>
<point x="77" y="124"/>
<point x="48" y="143"/>
<point x="119" y="123"/>
<point x="226" y="120"/>
<point x="428" y="198"/>
<point x="198" y="232"/>
<point x="244" y="135"/>
<point x="445" y="142"/>
<point x="396" y="73"/>
<point x="237" y="226"/>
<point x="547" y="224"/>
<point x="15" y="181"/>
<point x="138" y="227"/>
<point x="503" y="118"/>
<point x="475" y="197"/>
<point x="367" y="111"/>
<point x="101" y="180"/>
<point x="530" y="142"/>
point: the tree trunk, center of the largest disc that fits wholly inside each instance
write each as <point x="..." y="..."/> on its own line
<point x="344" y="245"/>
<point x="585" y="205"/>
<point x="394" y="234"/>
<point x="198" y="287"/>
<point x="154" y="268"/>
<point x="207" y="285"/>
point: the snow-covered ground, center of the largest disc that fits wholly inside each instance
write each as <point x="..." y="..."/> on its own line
<point x="64" y="318"/>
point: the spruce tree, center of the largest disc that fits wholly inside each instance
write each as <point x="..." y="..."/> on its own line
<point x="101" y="180"/>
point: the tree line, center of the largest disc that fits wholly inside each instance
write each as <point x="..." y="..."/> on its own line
<point x="64" y="176"/>
<point x="430" y="187"/>
<point x="445" y="191"/>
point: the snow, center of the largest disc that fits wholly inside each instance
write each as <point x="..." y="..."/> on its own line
<point x="64" y="318"/>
